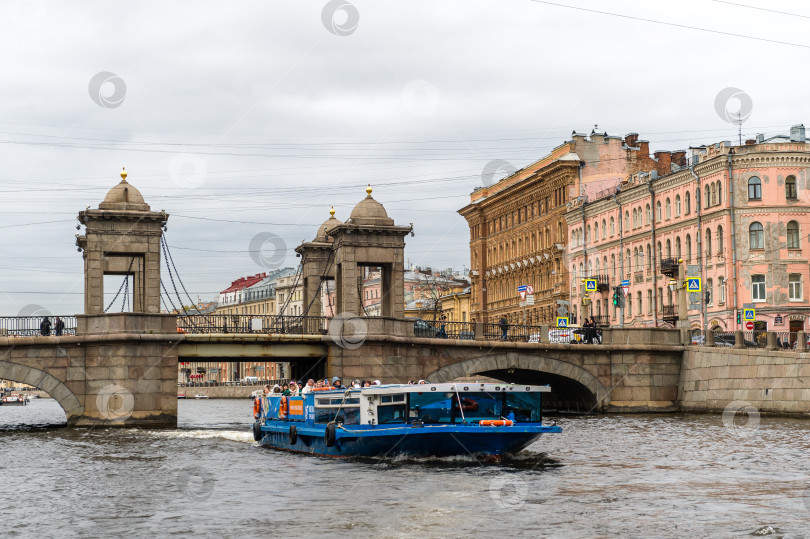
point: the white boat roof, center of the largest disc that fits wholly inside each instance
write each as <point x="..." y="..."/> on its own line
<point x="462" y="387"/>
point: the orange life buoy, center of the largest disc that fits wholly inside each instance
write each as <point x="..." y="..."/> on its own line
<point x="257" y="406"/>
<point x="496" y="422"/>
<point x="467" y="404"/>
<point x="323" y="389"/>
<point x="283" y="406"/>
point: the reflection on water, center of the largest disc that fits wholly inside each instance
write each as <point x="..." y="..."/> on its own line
<point x="607" y="476"/>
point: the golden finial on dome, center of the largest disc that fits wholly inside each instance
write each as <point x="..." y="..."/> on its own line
<point x="332" y="211"/>
<point x="368" y="190"/>
<point x="124" y="174"/>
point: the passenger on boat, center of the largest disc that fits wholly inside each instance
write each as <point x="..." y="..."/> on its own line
<point x="285" y="390"/>
<point x="336" y="383"/>
<point x="377" y="383"/>
<point x="307" y="388"/>
<point x="267" y="390"/>
<point x="422" y="382"/>
<point x="366" y="383"/>
<point x="300" y="387"/>
<point x="293" y="388"/>
<point x="277" y="389"/>
<point x="326" y="383"/>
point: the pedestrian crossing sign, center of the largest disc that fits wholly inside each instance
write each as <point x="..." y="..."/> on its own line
<point x="590" y="285"/>
<point x="693" y="284"/>
<point x="562" y="321"/>
<point x="750" y="315"/>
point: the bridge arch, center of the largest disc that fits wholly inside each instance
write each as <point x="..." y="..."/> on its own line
<point x="51" y="385"/>
<point x="572" y="386"/>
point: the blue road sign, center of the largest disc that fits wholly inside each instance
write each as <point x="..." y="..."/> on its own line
<point x="626" y="282"/>
<point x="693" y="284"/>
<point x="562" y="321"/>
<point x="522" y="288"/>
<point x="590" y="285"/>
<point x="750" y="315"/>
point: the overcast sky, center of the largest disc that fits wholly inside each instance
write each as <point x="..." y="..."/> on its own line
<point x="249" y="119"/>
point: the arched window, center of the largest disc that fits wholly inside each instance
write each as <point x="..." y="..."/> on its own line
<point x="588" y="234"/>
<point x="687" y="201"/>
<point x="647" y="215"/>
<point x="793" y="235"/>
<point x="678" y="247"/>
<point x="596" y="231"/>
<point x="714" y="194"/>
<point x="669" y="249"/>
<point x="629" y="266"/>
<point x="688" y="248"/>
<point x="669" y="209"/>
<point x="640" y="261"/>
<point x="790" y="188"/>
<point x="754" y="188"/>
<point x="613" y="266"/>
<point x="635" y="218"/>
<point x="677" y="205"/>
<point x="719" y="241"/>
<point x="626" y="221"/>
<point x="660" y="252"/>
<point x="658" y="211"/>
<point x="719" y="192"/>
<point x="635" y="259"/>
<point x="649" y="257"/>
<point x="706" y="195"/>
<point x="612" y="226"/>
<point x="604" y="229"/>
<point x="756" y="236"/>
<point x="708" y="243"/>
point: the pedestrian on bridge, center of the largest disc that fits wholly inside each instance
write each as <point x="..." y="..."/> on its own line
<point x="504" y="325"/>
<point x="45" y="327"/>
<point x="59" y="327"/>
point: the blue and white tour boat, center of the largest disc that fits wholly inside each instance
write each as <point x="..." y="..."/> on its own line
<point x="426" y="420"/>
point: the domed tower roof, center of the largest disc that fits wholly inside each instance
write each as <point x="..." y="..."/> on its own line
<point x="124" y="196"/>
<point x="328" y="224"/>
<point x="370" y="212"/>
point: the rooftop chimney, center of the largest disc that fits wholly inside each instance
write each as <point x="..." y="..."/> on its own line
<point x="797" y="133"/>
<point x="664" y="165"/>
<point x="643" y="148"/>
<point x="679" y="158"/>
<point x="750" y="142"/>
<point x="630" y="139"/>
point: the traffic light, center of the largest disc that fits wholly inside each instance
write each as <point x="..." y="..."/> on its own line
<point x="615" y="297"/>
<point x="738" y="317"/>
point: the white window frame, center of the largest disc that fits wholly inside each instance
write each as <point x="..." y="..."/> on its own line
<point x="800" y="295"/>
<point x="761" y="286"/>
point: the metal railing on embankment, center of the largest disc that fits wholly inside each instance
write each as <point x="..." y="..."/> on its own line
<point x="245" y="323"/>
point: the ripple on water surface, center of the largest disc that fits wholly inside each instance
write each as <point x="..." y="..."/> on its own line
<point x="608" y="476"/>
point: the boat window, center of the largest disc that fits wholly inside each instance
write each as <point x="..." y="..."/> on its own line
<point x="338" y="401"/>
<point x="393" y="398"/>
<point x="525" y="406"/>
<point x="430" y="407"/>
<point x="392" y="413"/>
<point x="345" y="415"/>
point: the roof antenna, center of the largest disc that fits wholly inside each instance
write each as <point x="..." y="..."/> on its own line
<point x="740" y="122"/>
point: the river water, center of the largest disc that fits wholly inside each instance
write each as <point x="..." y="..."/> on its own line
<point x="604" y="476"/>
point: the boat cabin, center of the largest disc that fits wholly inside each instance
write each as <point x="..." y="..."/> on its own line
<point x="425" y="404"/>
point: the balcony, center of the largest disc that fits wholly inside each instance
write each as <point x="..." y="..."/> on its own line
<point x="602" y="282"/>
<point x="602" y="321"/>
<point x="670" y="313"/>
<point x="669" y="267"/>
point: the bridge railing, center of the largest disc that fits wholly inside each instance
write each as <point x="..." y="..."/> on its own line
<point x="29" y="326"/>
<point x="514" y="333"/>
<point x="245" y="323"/>
<point x="444" y="329"/>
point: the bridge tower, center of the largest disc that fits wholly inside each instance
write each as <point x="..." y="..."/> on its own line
<point x="122" y="238"/>
<point x="318" y="265"/>
<point x="369" y="238"/>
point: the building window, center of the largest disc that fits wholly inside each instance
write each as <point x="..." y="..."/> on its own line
<point x="596" y="232"/>
<point x="719" y="192"/>
<point x="626" y="221"/>
<point x="688" y="248"/>
<point x="756" y="237"/>
<point x="708" y="243"/>
<point x="706" y="196"/>
<point x="719" y="241"/>
<point x="649" y="301"/>
<point x="687" y="201"/>
<point x="647" y="215"/>
<point x="604" y="229"/>
<point x="721" y="290"/>
<point x="612" y="226"/>
<point x="714" y="194"/>
<point x="678" y="247"/>
<point x="658" y="211"/>
<point x="649" y="257"/>
<point x="677" y="205"/>
<point x="669" y="209"/>
<point x="638" y="303"/>
<point x="790" y="188"/>
<point x="795" y="286"/>
<point x="758" y="288"/>
<point x="793" y="235"/>
<point x="709" y="295"/>
<point x="754" y="188"/>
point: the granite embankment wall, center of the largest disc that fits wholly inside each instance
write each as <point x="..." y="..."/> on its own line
<point x="218" y="392"/>
<point x="772" y="381"/>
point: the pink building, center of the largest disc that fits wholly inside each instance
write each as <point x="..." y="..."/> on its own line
<point x="739" y="215"/>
